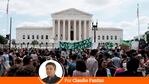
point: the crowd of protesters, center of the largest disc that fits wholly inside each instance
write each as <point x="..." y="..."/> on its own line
<point x="100" y="62"/>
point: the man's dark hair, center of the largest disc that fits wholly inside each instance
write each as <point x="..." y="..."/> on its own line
<point x="100" y="62"/>
<point x="81" y="66"/>
<point x="93" y="52"/>
<point x="26" y="60"/>
<point x="116" y="54"/>
<point x="133" y="65"/>
<point x="1" y="53"/>
<point x="5" y="50"/>
<point x="51" y="63"/>
<point x="74" y="56"/>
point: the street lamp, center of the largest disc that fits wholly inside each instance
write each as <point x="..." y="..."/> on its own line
<point x="94" y="28"/>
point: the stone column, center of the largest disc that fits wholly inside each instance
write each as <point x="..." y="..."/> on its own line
<point x="54" y="29"/>
<point x="89" y="28"/>
<point x="85" y="29"/>
<point x="69" y="30"/>
<point x="58" y="30"/>
<point x="80" y="32"/>
<point x="64" y="30"/>
<point x="75" y="37"/>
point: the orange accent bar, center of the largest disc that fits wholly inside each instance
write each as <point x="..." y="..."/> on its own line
<point x="105" y="80"/>
<point x="76" y="80"/>
<point x="20" y="80"/>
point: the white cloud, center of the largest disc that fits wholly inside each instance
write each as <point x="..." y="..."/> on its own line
<point x="108" y="5"/>
<point x="46" y="7"/>
<point x="41" y="7"/>
<point x="144" y="20"/>
<point x="3" y="5"/>
<point x="130" y="28"/>
<point x="34" y="24"/>
<point x="103" y="3"/>
<point x="3" y="32"/>
<point x="127" y="24"/>
<point x="106" y="24"/>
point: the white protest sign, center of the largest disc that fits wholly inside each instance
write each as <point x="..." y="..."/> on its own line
<point x="134" y="45"/>
<point x="95" y="45"/>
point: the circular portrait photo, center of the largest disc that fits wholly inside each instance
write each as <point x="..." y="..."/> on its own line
<point x="51" y="71"/>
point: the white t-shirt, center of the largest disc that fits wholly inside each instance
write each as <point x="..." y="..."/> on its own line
<point x="92" y="65"/>
<point x="78" y="73"/>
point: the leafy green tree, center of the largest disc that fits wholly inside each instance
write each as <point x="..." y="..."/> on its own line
<point x="3" y="40"/>
<point x="34" y="42"/>
<point x="147" y="36"/>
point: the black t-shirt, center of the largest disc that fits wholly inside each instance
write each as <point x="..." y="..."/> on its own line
<point x="52" y="80"/>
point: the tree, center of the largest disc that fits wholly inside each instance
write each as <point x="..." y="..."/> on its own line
<point x="147" y="36"/>
<point x="109" y="44"/>
<point x="34" y="42"/>
<point x="3" y="40"/>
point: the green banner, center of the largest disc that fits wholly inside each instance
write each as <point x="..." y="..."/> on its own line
<point x="126" y="42"/>
<point x="76" y="45"/>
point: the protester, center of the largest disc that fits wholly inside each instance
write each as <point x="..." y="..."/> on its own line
<point x="17" y="64"/>
<point x="6" y="60"/>
<point x="81" y="69"/>
<point x="72" y="64"/>
<point x="123" y="66"/>
<point x="103" y="71"/>
<point x="99" y="62"/>
<point x="92" y="63"/>
<point x="116" y="60"/>
<point x="27" y="69"/>
<point x="2" y="67"/>
<point x="131" y="71"/>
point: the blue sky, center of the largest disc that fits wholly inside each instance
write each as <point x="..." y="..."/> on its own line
<point x="109" y="13"/>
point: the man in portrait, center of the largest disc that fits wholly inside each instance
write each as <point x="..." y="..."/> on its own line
<point x="50" y="71"/>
